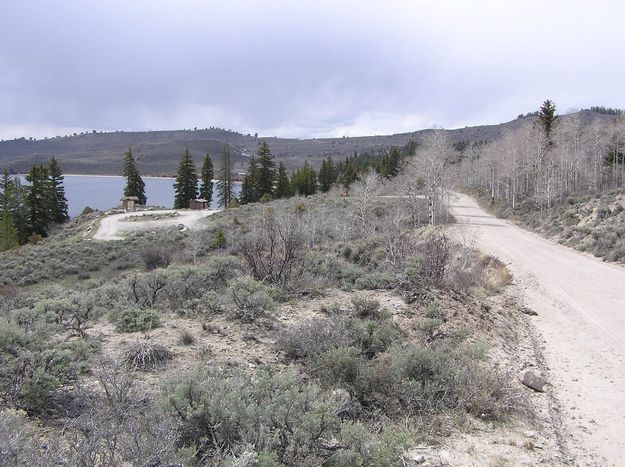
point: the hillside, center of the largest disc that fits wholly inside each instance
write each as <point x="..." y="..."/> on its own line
<point x="157" y="151"/>
<point x="380" y="349"/>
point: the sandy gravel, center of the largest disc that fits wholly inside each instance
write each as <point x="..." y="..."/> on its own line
<point x="114" y="227"/>
<point x="580" y="302"/>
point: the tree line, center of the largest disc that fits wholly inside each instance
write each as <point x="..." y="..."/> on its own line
<point x="188" y="185"/>
<point x="264" y="181"/>
<point x="28" y="211"/>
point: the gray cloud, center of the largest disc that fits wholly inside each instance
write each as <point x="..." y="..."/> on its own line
<point x="305" y="68"/>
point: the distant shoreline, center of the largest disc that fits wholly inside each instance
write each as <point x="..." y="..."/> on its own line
<point x="152" y="177"/>
<point x="117" y="176"/>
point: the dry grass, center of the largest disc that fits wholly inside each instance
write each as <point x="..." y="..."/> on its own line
<point x="145" y="355"/>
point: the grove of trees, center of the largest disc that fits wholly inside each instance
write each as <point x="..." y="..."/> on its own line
<point x="28" y="211"/>
<point x="263" y="182"/>
<point x="547" y="159"/>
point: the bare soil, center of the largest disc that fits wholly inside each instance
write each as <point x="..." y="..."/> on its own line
<point x="116" y="226"/>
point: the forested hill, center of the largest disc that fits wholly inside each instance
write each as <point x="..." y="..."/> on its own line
<point x="158" y="152"/>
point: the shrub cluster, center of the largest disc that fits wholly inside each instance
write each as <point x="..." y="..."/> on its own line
<point x="272" y="419"/>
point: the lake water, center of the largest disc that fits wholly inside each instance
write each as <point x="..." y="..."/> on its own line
<point x="99" y="192"/>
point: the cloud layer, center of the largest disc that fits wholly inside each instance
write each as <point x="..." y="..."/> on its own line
<point x="301" y="69"/>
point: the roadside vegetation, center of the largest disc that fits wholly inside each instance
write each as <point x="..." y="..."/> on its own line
<point x="303" y="331"/>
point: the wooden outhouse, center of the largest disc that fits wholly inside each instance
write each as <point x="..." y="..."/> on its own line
<point x="129" y="202"/>
<point x="198" y="204"/>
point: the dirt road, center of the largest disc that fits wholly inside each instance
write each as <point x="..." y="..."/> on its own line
<point x="580" y="302"/>
<point x="114" y="227"/>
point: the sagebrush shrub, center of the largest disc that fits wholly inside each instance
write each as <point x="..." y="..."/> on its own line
<point x="132" y="319"/>
<point x="313" y="337"/>
<point x="249" y="299"/>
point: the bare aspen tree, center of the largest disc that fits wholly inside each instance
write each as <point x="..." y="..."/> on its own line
<point x="431" y="160"/>
<point x="364" y="194"/>
<point x="412" y="188"/>
<point x="194" y="242"/>
<point x="577" y="156"/>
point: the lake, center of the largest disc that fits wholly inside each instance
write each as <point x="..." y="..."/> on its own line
<point x="104" y="192"/>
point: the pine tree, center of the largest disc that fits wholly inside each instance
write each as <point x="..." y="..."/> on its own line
<point x="266" y="171"/>
<point x="135" y="186"/>
<point x="8" y="231"/>
<point x="327" y="175"/>
<point x="348" y="171"/>
<point x="304" y="181"/>
<point x="389" y="165"/>
<point x="224" y="184"/>
<point x="16" y="199"/>
<point x="185" y="186"/>
<point x="5" y="189"/>
<point x="206" y="183"/>
<point x="547" y="118"/>
<point x="58" y="212"/>
<point x="249" y="189"/>
<point x="283" y="186"/>
<point x="38" y="200"/>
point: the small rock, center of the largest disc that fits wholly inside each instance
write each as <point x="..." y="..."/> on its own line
<point x="528" y="311"/>
<point x="533" y="379"/>
<point x="418" y="458"/>
<point x="444" y="457"/>
<point x="341" y="397"/>
<point x="530" y="434"/>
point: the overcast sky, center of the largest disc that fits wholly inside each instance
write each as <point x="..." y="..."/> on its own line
<point x="301" y="68"/>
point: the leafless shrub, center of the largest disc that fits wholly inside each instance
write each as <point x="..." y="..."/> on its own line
<point x="145" y="355"/>
<point x="274" y="249"/>
<point x="434" y="249"/>
<point x="146" y="289"/>
<point x="123" y="426"/>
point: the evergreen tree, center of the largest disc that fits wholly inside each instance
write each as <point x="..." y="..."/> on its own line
<point x="388" y="166"/>
<point x="327" y="175"/>
<point x="283" y="186"/>
<point x="224" y="185"/>
<point x="38" y="200"/>
<point x="348" y="171"/>
<point x="249" y="189"/>
<point x="135" y="186"/>
<point x="16" y="199"/>
<point x="5" y="189"/>
<point x="266" y="171"/>
<point x="185" y="186"/>
<point x="206" y="183"/>
<point x="8" y="231"/>
<point x="547" y="118"/>
<point x="58" y="206"/>
<point x="304" y="181"/>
